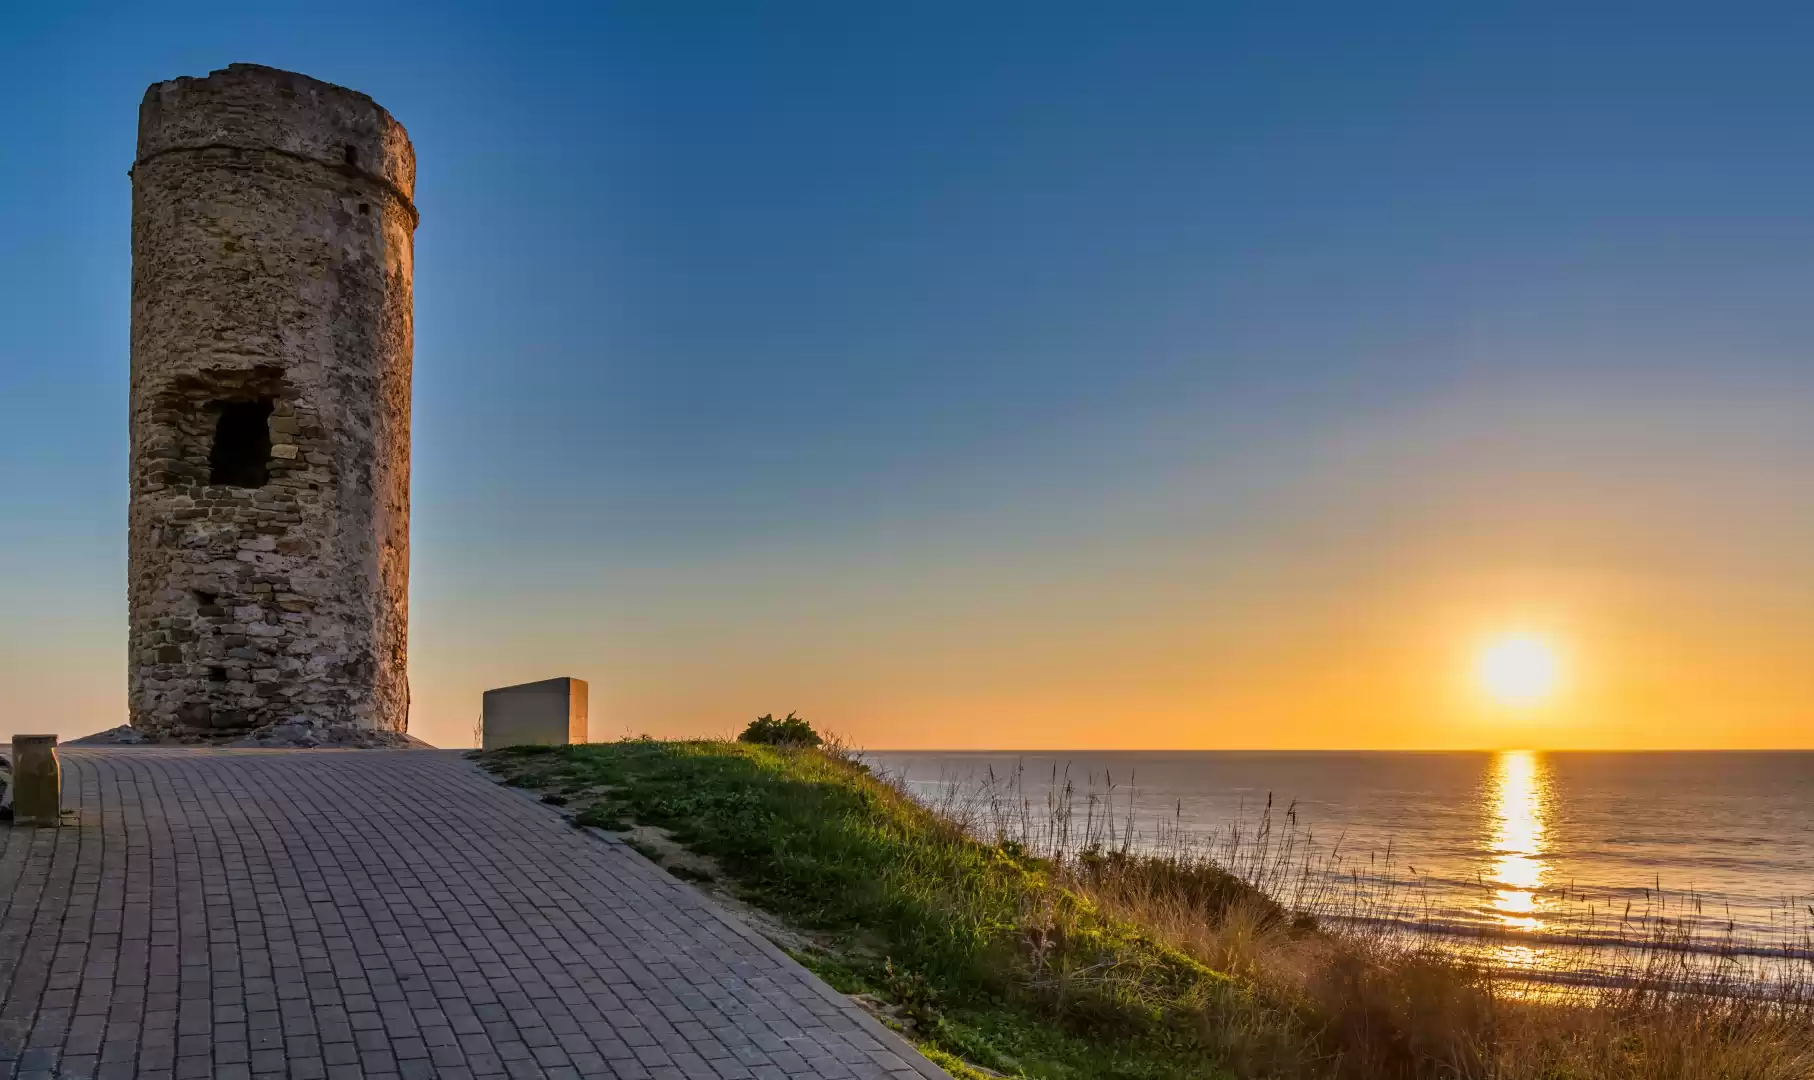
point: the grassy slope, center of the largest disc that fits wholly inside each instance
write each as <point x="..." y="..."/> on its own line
<point x="1003" y="960"/>
<point x="982" y="956"/>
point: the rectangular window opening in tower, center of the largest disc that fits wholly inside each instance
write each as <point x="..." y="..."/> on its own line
<point x="241" y="455"/>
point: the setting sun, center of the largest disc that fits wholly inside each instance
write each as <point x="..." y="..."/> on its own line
<point x="1519" y="669"/>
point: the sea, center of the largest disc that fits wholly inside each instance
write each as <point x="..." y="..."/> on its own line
<point x="1566" y="865"/>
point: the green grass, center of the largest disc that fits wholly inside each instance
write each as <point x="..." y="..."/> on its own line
<point x="989" y="959"/>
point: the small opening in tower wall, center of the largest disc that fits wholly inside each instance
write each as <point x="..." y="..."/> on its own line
<point x="241" y="456"/>
<point x="351" y="154"/>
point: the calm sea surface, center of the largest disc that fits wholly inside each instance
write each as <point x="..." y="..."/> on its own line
<point x="1527" y="854"/>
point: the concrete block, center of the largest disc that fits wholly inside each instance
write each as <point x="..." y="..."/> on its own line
<point x="37" y="780"/>
<point x="547" y="713"/>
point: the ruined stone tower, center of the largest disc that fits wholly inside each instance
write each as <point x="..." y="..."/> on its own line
<point x="272" y="248"/>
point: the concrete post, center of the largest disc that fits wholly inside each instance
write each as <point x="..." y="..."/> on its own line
<point x="37" y="780"/>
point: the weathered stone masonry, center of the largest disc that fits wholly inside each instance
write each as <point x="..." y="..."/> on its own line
<point x="272" y="244"/>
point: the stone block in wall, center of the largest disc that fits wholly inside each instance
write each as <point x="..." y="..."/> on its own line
<point x="547" y="713"/>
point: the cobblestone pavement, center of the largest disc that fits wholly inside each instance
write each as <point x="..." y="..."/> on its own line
<point x="372" y="913"/>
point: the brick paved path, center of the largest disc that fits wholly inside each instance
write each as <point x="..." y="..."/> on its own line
<point x="376" y="914"/>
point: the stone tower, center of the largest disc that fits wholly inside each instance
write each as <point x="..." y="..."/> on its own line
<point x="272" y="261"/>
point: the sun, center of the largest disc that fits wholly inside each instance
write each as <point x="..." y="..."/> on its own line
<point x="1519" y="670"/>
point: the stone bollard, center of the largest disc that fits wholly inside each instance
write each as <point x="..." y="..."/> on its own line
<point x="37" y="780"/>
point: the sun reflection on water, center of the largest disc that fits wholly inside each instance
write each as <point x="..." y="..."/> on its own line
<point x="1520" y="800"/>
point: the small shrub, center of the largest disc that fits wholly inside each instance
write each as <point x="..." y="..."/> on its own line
<point x="916" y="996"/>
<point x="788" y="731"/>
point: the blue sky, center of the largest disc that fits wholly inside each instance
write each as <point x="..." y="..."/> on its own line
<point x="972" y="374"/>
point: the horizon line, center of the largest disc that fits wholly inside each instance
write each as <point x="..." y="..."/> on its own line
<point x="1352" y="750"/>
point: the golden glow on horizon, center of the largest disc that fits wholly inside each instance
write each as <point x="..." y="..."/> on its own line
<point x="1519" y="670"/>
<point x="1520" y="803"/>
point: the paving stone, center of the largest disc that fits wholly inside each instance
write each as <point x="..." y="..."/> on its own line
<point x="379" y="914"/>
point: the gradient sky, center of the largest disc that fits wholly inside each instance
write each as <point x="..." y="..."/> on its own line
<point x="1114" y="375"/>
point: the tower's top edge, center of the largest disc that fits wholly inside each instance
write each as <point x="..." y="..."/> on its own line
<point x="251" y="106"/>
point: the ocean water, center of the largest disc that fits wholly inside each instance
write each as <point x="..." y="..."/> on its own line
<point x="1551" y="861"/>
